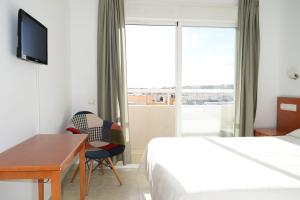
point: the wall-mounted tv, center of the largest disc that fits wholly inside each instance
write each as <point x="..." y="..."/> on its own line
<point x="32" y="39"/>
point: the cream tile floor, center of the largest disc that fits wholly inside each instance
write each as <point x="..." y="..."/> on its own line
<point x="105" y="187"/>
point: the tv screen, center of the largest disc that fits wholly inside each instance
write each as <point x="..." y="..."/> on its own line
<point x="32" y="39"/>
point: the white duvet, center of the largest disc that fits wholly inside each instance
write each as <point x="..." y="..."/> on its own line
<point x="213" y="168"/>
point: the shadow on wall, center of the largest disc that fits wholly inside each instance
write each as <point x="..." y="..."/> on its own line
<point x="13" y="23"/>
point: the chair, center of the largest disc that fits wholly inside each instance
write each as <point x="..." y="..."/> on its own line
<point x="105" y="141"/>
<point x="102" y="157"/>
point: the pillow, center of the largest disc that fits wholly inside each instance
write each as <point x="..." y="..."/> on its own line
<point x="113" y="135"/>
<point x="73" y="130"/>
<point x="295" y="133"/>
<point x="109" y="146"/>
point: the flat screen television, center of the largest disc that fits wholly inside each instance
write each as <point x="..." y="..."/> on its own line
<point x="32" y="39"/>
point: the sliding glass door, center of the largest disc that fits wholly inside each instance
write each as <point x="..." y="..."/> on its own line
<point x="207" y="81"/>
<point x="182" y="74"/>
<point x="151" y="84"/>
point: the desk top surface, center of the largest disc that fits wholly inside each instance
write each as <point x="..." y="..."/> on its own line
<point x="43" y="152"/>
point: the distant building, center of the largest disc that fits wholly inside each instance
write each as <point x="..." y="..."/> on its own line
<point x="194" y="96"/>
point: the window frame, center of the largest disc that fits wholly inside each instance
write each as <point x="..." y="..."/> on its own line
<point x="179" y="25"/>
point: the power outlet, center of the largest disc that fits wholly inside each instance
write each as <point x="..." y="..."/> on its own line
<point x="91" y="102"/>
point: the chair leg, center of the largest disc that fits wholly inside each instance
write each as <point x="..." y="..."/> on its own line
<point x="74" y="174"/>
<point x="114" y="170"/>
<point x="90" y="175"/>
<point x="101" y="166"/>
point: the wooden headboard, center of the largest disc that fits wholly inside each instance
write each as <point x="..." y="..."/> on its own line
<point x="288" y="113"/>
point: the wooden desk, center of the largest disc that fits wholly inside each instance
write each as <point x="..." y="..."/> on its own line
<point x="43" y="157"/>
<point x="268" y="132"/>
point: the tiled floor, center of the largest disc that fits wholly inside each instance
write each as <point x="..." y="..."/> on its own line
<point x="105" y="187"/>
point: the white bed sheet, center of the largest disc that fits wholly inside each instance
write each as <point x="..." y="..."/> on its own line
<point x="213" y="168"/>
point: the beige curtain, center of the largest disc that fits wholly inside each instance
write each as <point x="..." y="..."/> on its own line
<point x="248" y="50"/>
<point x="112" y="83"/>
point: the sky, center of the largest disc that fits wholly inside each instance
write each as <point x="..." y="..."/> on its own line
<point x="208" y="56"/>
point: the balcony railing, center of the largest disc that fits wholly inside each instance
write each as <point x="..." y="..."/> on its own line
<point x="164" y="96"/>
<point x="210" y="111"/>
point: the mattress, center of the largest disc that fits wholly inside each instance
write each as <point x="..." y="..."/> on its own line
<point x="214" y="168"/>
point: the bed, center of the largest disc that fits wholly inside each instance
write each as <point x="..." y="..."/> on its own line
<point x="215" y="168"/>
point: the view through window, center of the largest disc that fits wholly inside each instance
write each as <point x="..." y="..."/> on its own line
<point x="208" y="70"/>
<point x="207" y="79"/>
<point x="151" y="64"/>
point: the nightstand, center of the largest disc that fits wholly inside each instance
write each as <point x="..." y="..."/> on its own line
<point x="258" y="132"/>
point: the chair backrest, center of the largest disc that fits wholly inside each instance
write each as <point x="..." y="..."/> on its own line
<point x="97" y="128"/>
<point x="88" y="123"/>
<point x="83" y="112"/>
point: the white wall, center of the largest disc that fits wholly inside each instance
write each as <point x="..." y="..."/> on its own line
<point x="83" y="29"/>
<point x="290" y="47"/>
<point x="34" y="98"/>
<point x="280" y="51"/>
<point x="268" y="81"/>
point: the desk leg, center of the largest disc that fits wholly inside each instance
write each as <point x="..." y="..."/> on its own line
<point x="82" y="172"/>
<point x="56" y="186"/>
<point x="41" y="189"/>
